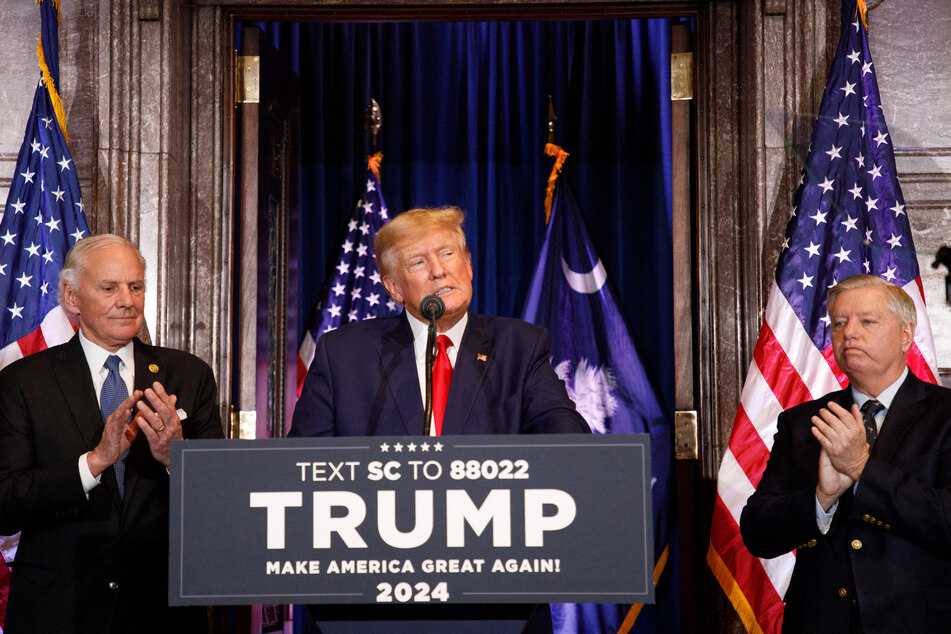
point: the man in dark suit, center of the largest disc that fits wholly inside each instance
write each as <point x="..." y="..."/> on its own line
<point x="367" y="378"/>
<point x="859" y="482"/>
<point x="93" y="554"/>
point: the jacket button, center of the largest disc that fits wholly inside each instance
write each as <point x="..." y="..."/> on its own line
<point x="113" y="585"/>
<point x="867" y="517"/>
<point x="856" y="544"/>
<point x="843" y="592"/>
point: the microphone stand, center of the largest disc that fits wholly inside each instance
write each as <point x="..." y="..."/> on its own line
<point x="432" y="309"/>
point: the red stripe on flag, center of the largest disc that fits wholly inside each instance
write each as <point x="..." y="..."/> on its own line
<point x="748" y="447"/>
<point x="918" y="365"/>
<point x="747" y="571"/>
<point x="777" y="370"/>
<point x="33" y="342"/>
<point x="301" y="373"/>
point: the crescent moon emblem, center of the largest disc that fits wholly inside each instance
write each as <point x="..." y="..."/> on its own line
<point x="590" y="282"/>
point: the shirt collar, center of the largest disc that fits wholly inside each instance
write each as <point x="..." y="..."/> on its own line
<point x="887" y="395"/>
<point x="421" y="332"/>
<point x="96" y="355"/>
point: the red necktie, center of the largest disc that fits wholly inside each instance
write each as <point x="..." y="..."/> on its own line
<point x="442" y="377"/>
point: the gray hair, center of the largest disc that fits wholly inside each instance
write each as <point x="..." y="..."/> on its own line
<point x="898" y="300"/>
<point x="77" y="257"/>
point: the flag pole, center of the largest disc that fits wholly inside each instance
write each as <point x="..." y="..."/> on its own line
<point x="372" y="123"/>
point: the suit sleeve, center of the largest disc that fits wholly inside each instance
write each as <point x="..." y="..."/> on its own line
<point x="205" y="420"/>
<point x="314" y="413"/>
<point x="781" y="514"/>
<point x="32" y="493"/>
<point x="546" y="406"/>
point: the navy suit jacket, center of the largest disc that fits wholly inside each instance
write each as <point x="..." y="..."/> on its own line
<point x="363" y="381"/>
<point x="889" y="545"/>
<point x="98" y="565"/>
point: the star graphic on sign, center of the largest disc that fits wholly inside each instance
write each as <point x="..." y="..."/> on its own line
<point x="28" y="175"/>
<point x="872" y="204"/>
<point x="437" y="446"/>
<point x="45" y="152"/>
<point x="813" y="249"/>
<point x="890" y="273"/>
<point x="850" y="223"/>
<point x="834" y="152"/>
<point x="34" y="249"/>
<point x="819" y="217"/>
<point x="343" y="267"/>
<point x="894" y="241"/>
<point x="53" y="224"/>
<point x="384" y="447"/>
<point x="24" y="280"/>
<point x="59" y="194"/>
<point x="826" y="185"/>
<point x="16" y="311"/>
<point x="899" y="209"/>
<point x="339" y="288"/>
<point x="854" y="56"/>
<point x="849" y="89"/>
<point x="373" y="299"/>
<point x="48" y="256"/>
<point x="841" y="120"/>
<point x="843" y="255"/>
<point x="880" y="138"/>
<point x="347" y="246"/>
<point x="411" y="446"/>
<point x="875" y="172"/>
<point x="806" y="280"/>
<point x="424" y="446"/>
<point x="18" y="206"/>
<point x="64" y="164"/>
<point x="398" y="447"/>
<point x="362" y="249"/>
<point x="77" y="236"/>
<point x="8" y="238"/>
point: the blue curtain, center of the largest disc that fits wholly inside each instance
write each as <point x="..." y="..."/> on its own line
<point x="465" y="109"/>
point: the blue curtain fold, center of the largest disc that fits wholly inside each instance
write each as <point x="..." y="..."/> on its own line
<point x="465" y="109"/>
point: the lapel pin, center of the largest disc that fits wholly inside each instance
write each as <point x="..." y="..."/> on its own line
<point x="153" y="368"/>
<point x="481" y="357"/>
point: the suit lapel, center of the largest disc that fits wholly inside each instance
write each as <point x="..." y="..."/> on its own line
<point x="906" y="410"/>
<point x="476" y="352"/>
<point x="72" y="376"/>
<point x="398" y="363"/>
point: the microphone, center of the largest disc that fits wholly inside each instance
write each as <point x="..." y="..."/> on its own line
<point x="432" y="308"/>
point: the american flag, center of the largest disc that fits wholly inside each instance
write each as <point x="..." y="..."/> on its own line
<point x="355" y="291"/>
<point x="42" y="219"/>
<point x="848" y="218"/>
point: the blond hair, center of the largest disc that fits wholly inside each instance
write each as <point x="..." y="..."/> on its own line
<point x="410" y="226"/>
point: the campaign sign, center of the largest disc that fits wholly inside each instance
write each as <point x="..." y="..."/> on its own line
<point x="390" y="520"/>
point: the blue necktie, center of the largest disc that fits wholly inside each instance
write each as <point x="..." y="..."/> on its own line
<point x="870" y="409"/>
<point x="113" y="392"/>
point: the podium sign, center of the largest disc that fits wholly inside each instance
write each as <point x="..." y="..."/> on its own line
<point x="414" y="520"/>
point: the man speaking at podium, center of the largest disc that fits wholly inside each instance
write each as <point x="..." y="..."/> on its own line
<point x="491" y="375"/>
